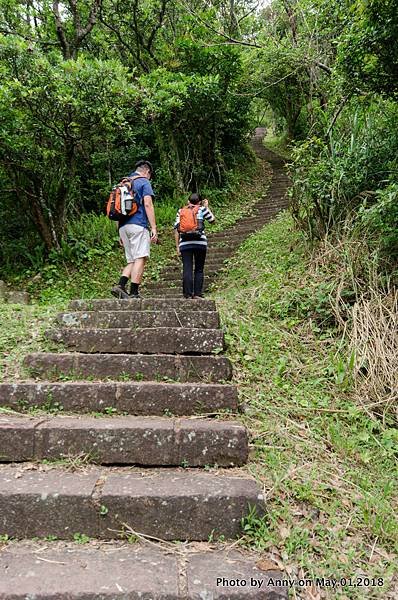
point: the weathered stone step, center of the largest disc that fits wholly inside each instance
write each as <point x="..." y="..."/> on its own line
<point x="141" y="319"/>
<point x="171" y="504"/>
<point x="176" y="281"/>
<point x="118" y="571"/>
<point x="220" y="253"/>
<point x="152" y="340"/>
<point x="158" y="304"/>
<point x="150" y="441"/>
<point x="205" y="369"/>
<point x="236" y="236"/>
<point x="135" y="398"/>
<point x="174" y="290"/>
<point x="211" y="266"/>
<point x="173" y="287"/>
<point x="176" y="274"/>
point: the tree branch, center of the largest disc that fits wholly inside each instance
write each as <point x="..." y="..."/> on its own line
<point x="92" y="19"/>
<point x="60" y="31"/>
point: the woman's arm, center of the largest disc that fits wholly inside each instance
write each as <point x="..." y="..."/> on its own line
<point x="207" y="214"/>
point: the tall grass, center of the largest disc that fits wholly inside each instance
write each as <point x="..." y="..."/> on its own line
<point x="339" y="175"/>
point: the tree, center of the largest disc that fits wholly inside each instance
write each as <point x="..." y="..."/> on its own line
<point x="54" y="116"/>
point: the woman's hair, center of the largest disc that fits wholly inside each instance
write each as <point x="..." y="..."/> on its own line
<point x="195" y="199"/>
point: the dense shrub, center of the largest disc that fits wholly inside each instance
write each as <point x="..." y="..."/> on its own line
<point x="347" y="176"/>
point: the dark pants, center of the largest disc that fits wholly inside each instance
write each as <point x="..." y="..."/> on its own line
<point x="192" y="278"/>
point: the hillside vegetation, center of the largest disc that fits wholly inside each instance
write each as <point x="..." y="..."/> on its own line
<point x="327" y="464"/>
<point x="310" y="304"/>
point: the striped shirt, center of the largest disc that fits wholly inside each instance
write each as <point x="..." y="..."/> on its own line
<point x="206" y="215"/>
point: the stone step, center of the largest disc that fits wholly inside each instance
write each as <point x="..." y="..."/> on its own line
<point x="175" y="290"/>
<point x="152" y="340"/>
<point x="170" y="504"/>
<point x="236" y="234"/>
<point x="173" y="287"/>
<point x="205" y="369"/>
<point x="220" y="247"/>
<point x="227" y="242"/>
<point x="232" y="237"/>
<point x="176" y="274"/>
<point x="119" y="571"/>
<point x="156" y="304"/>
<point x="145" y="441"/>
<point x="175" y="281"/>
<point x="135" y="398"/>
<point x="142" y="319"/>
<point x="211" y="266"/>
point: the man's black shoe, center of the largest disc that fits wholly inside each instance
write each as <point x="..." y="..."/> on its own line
<point x="120" y="292"/>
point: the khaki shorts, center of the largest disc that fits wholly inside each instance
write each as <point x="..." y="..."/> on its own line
<point x="136" y="241"/>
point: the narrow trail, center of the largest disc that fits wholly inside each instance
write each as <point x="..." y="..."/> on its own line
<point x="223" y="244"/>
<point x="125" y="456"/>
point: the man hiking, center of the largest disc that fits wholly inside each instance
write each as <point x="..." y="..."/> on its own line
<point x="191" y="243"/>
<point x="134" y="233"/>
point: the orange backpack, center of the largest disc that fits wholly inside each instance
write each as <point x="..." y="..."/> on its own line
<point x="189" y="222"/>
<point x="122" y="200"/>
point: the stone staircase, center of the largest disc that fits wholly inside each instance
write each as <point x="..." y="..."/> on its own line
<point x="134" y="442"/>
<point x="223" y="244"/>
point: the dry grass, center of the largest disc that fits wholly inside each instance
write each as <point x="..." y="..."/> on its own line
<point x="373" y="339"/>
<point x="365" y="308"/>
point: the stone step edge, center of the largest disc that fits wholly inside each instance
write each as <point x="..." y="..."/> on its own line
<point x="55" y="569"/>
<point x="179" y="368"/>
<point x="134" y="319"/>
<point x="142" y="398"/>
<point x="144" y="441"/>
<point x="147" y="303"/>
<point x="170" y="504"/>
<point x="147" y="340"/>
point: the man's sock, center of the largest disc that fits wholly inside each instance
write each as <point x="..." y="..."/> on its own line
<point x="134" y="289"/>
<point x="123" y="281"/>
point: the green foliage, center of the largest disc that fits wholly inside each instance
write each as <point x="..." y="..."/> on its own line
<point x="81" y="538"/>
<point x="54" y="116"/>
<point x="368" y="53"/>
<point x="328" y="71"/>
<point x="347" y="177"/>
<point x="80" y="105"/>
<point x="379" y="218"/>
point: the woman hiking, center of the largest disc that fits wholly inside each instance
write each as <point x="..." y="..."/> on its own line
<point x="191" y="243"/>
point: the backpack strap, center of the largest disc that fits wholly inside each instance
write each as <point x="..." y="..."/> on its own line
<point x="131" y="181"/>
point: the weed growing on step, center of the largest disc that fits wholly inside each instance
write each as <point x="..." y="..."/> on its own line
<point x="5" y="538"/>
<point x="81" y="538"/>
<point x="210" y="468"/>
<point x="124" y="376"/>
<point x="105" y="412"/>
<point x="214" y="537"/>
<point x="328" y="467"/>
<point x="73" y="463"/>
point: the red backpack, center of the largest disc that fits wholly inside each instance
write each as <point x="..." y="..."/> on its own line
<point x="122" y="199"/>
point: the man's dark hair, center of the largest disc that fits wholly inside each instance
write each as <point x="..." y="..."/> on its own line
<point x="144" y="163"/>
<point x="195" y="199"/>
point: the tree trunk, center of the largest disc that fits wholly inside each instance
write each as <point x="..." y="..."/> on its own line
<point x="169" y="158"/>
